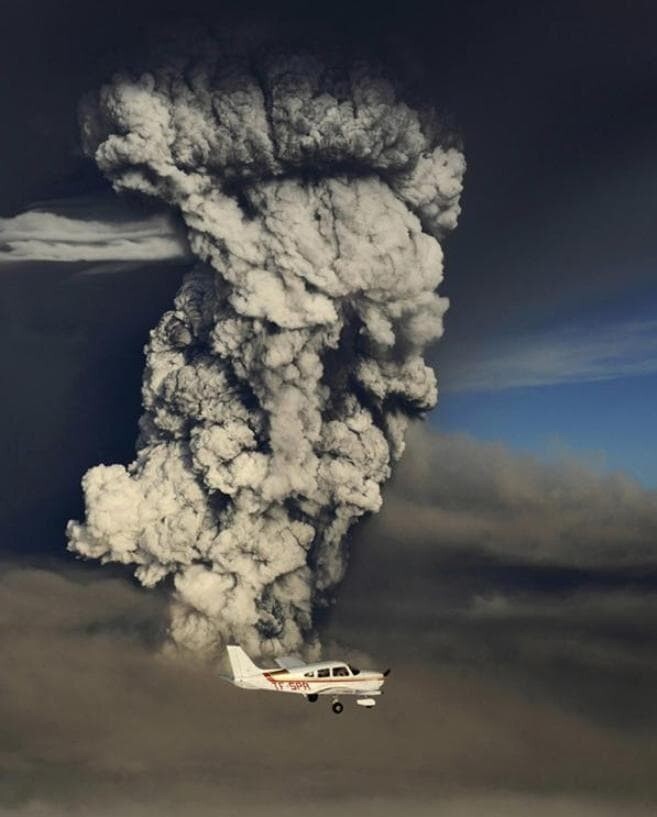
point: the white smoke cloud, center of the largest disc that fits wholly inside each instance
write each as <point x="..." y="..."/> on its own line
<point x="276" y="390"/>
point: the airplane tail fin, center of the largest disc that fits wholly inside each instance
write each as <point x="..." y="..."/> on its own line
<point x="240" y="663"/>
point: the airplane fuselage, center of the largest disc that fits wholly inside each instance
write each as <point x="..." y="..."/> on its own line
<point x="306" y="681"/>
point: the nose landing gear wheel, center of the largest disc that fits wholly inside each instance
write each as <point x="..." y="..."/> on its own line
<point x="337" y="707"/>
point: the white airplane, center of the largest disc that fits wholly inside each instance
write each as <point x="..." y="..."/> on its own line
<point x="292" y="675"/>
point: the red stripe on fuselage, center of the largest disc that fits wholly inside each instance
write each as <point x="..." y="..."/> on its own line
<point x="329" y="679"/>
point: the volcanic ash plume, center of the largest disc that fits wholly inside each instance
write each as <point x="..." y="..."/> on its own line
<point x="277" y="390"/>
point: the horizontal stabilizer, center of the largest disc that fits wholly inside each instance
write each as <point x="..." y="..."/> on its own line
<point x="290" y="662"/>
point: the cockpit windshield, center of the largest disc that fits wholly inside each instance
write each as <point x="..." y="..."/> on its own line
<point x="354" y="670"/>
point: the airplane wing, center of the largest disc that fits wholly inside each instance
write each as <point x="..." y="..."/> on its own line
<point x="289" y="662"/>
<point x="350" y="690"/>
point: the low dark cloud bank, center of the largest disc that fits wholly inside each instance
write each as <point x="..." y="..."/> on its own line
<point x="522" y="681"/>
<point x="538" y="575"/>
<point x="458" y="491"/>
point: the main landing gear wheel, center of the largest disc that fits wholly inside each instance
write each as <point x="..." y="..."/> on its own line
<point x="337" y="707"/>
<point x="312" y="698"/>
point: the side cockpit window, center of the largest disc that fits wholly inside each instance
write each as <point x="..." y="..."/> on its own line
<point x="322" y="673"/>
<point x="340" y="672"/>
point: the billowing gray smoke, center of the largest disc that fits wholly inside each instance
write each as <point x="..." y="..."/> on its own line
<point x="278" y="388"/>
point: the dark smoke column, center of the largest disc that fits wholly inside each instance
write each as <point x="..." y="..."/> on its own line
<point x="277" y="390"/>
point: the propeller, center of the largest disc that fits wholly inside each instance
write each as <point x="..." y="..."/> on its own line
<point x="386" y="673"/>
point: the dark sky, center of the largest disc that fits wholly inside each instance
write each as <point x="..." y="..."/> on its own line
<point x="555" y="104"/>
<point x="515" y="597"/>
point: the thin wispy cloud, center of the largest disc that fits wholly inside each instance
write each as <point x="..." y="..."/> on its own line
<point x="561" y="355"/>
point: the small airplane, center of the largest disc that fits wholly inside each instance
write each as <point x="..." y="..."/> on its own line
<point x="312" y="680"/>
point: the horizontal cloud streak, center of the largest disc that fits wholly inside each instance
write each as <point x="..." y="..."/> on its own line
<point x="561" y="355"/>
<point x="48" y="235"/>
<point x="506" y="805"/>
